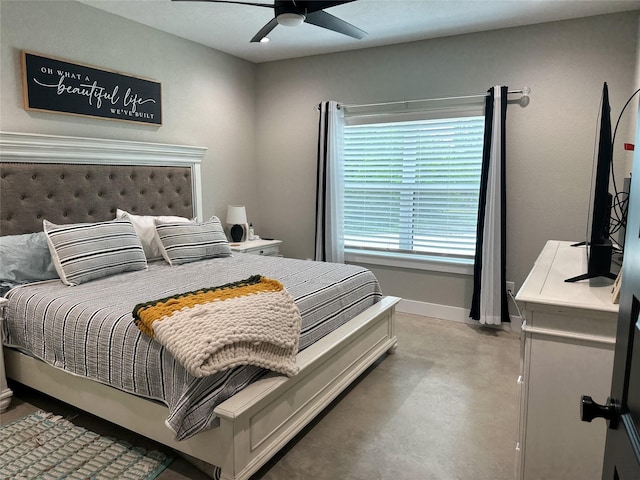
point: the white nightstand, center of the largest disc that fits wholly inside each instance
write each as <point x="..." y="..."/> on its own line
<point x="5" y="392"/>
<point x="258" y="247"/>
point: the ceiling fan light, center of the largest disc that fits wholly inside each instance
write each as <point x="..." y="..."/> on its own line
<point x="290" y="19"/>
<point x="264" y="39"/>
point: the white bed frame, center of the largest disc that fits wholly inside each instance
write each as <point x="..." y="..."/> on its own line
<point x="256" y="422"/>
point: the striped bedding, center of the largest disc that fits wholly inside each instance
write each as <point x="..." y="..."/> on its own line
<point x="89" y="329"/>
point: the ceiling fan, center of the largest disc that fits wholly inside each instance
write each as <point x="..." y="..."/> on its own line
<point x="292" y="13"/>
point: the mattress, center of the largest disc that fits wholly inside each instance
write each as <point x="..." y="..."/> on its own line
<point x="88" y="329"/>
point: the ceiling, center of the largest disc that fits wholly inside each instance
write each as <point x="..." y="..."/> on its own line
<point x="229" y="27"/>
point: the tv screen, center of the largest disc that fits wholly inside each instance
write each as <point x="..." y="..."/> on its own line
<point x="599" y="246"/>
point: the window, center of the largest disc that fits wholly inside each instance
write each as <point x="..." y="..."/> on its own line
<point x="411" y="187"/>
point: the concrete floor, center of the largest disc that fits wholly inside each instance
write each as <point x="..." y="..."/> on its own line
<point x="444" y="406"/>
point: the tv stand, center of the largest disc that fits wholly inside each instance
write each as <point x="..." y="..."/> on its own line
<point x="587" y="276"/>
<point x="598" y="263"/>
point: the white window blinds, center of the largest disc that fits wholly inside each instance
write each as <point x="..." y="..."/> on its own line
<point x="411" y="187"/>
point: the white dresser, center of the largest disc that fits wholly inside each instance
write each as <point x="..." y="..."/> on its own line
<point x="568" y="341"/>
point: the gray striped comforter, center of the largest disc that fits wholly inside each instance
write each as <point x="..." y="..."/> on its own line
<point x="89" y="330"/>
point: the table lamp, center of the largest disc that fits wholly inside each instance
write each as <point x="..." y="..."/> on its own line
<point x="237" y="216"/>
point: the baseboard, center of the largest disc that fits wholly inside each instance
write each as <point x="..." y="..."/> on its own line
<point x="454" y="314"/>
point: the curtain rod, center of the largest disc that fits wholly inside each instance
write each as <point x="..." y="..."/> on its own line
<point x="525" y="91"/>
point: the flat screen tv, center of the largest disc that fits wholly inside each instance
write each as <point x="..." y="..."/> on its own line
<point x="598" y="243"/>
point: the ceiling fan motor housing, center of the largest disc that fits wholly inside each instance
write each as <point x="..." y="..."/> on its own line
<point x="289" y="14"/>
<point x="288" y="6"/>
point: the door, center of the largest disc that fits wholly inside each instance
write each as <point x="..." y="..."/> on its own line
<point x="622" y="410"/>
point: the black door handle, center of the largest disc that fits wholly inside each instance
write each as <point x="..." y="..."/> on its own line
<point x="590" y="410"/>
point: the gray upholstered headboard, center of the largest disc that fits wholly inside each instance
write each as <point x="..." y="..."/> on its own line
<point x="73" y="180"/>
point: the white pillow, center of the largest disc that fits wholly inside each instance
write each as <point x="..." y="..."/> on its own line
<point x="145" y="227"/>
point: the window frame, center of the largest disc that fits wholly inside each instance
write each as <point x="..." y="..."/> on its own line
<point x="439" y="263"/>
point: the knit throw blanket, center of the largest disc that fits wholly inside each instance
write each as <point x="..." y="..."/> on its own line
<point x="250" y="322"/>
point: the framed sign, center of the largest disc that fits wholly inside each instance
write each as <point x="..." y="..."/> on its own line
<point x="60" y="86"/>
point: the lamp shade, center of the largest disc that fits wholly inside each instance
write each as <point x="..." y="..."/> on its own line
<point x="236" y="215"/>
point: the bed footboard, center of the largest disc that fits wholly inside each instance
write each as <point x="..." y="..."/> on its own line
<point x="256" y="422"/>
<point x="261" y="419"/>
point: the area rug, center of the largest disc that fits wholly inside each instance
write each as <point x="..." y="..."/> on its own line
<point x="48" y="447"/>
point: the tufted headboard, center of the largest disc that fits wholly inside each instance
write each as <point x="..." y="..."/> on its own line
<point x="74" y="180"/>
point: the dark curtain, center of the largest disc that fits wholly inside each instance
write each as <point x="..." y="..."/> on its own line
<point x="329" y="244"/>
<point x="489" y="303"/>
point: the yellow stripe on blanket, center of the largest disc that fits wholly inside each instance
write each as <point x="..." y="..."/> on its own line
<point x="250" y="322"/>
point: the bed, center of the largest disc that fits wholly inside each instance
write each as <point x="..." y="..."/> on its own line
<point x="73" y="180"/>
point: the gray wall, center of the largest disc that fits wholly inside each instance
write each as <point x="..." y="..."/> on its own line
<point x="207" y="96"/>
<point x="550" y="142"/>
<point x="260" y="125"/>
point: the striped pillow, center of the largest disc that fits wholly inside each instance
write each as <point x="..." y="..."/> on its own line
<point x="190" y="242"/>
<point x="87" y="251"/>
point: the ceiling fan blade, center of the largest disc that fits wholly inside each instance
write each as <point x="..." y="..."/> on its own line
<point x="268" y="5"/>
<point x="328" y="21"/>
<point x="264" y="31"/>
<point x="311" y="6"/>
